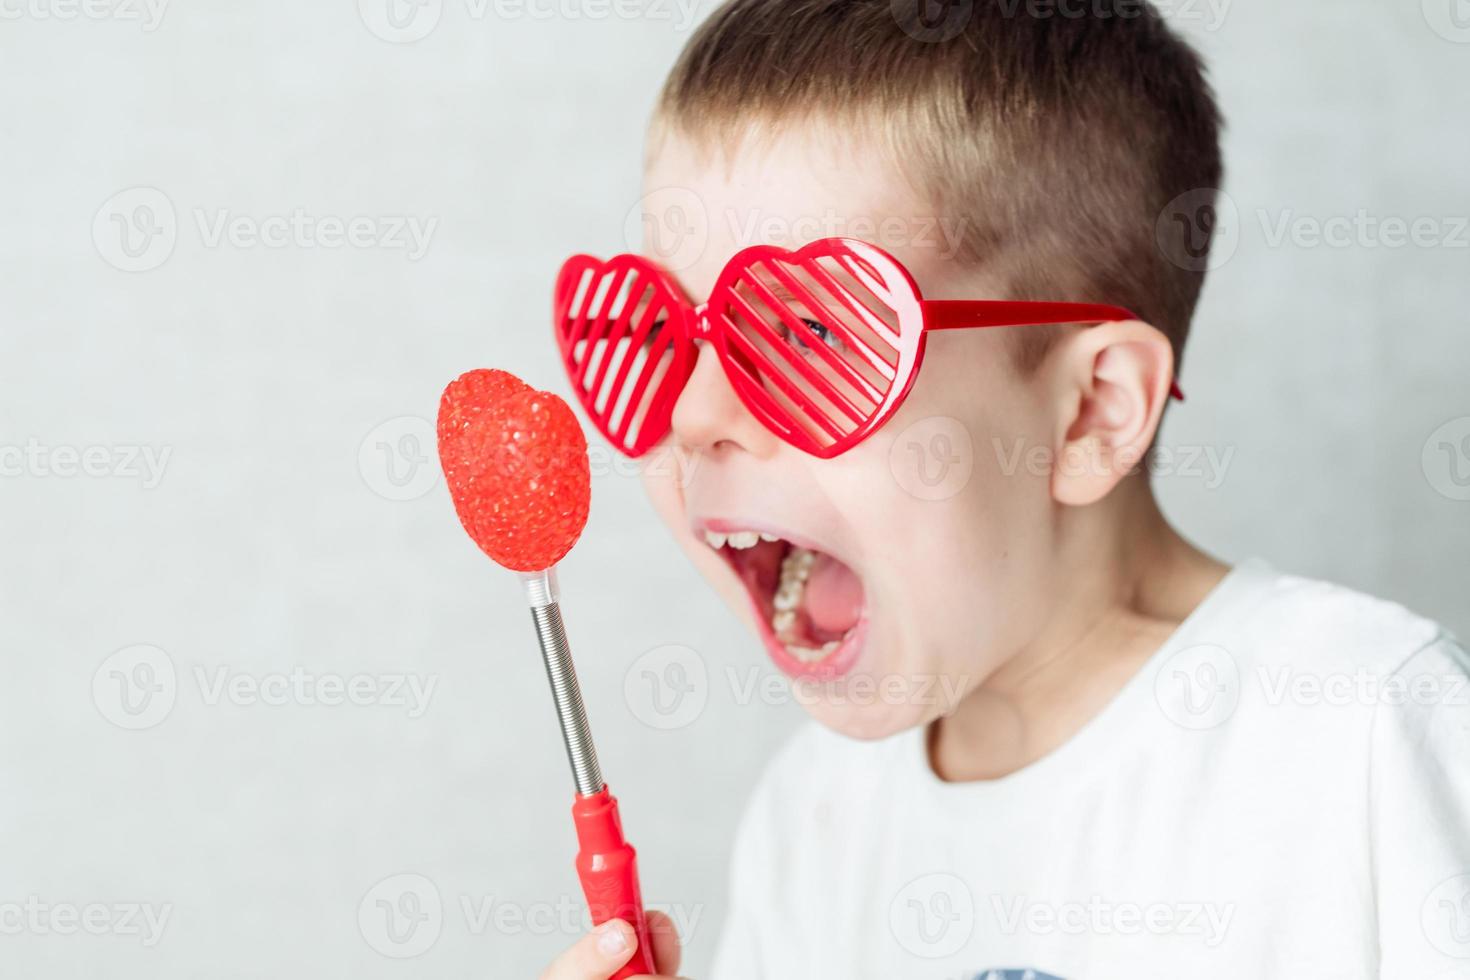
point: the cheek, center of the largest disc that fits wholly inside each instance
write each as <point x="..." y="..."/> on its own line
<point x="953" y="522"/>
<point x="942" y="487"/>
<point x="662" y="478"/>
<point x="661" y="486"/>
<point x="971" y="375"/>
<point x="968" y="448"/>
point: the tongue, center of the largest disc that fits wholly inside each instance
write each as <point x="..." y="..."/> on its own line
<point x="834" y="596"/>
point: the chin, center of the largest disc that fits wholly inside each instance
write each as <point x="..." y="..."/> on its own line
<point x="871" y="702"/>
<point x="867" y="723"/>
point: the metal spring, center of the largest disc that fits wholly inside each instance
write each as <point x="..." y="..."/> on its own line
<point x="570" y="712"/>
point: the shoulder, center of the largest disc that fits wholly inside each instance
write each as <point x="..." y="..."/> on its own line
<point x="1424" y="707"/>
<point x="1420" y="812"/>
<point x="1282" y="620"/>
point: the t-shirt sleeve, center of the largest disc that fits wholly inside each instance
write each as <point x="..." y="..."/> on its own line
<point x="1420" y="815"/>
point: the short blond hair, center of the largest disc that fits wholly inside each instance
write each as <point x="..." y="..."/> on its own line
<point x="1059" y="140"/>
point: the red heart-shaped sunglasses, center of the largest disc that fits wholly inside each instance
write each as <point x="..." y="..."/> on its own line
<point x="821" y="345"/>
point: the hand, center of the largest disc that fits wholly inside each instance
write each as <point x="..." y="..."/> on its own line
<point x="600" y="953"/>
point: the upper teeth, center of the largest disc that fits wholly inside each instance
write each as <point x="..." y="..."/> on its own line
<point x="736" y="539"/>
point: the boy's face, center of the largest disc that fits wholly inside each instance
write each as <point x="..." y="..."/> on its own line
<point x="927" y="540"/>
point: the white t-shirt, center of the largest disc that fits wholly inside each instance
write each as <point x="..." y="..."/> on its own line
<point x="1283" y="791"/>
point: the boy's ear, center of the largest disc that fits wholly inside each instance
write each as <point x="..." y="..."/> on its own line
<point x="1112" y="383"/>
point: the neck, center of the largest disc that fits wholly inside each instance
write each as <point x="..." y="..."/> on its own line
<point x="1115" y="614"/>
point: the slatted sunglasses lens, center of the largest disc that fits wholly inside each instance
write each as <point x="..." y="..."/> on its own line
<point x="815" y="341"/>
<point x="623" y="350"/>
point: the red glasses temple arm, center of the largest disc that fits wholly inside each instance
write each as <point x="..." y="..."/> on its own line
<point x="944" y="314"/>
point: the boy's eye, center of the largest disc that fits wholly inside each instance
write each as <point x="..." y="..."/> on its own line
<point x="820" y="332"/>
<point x="653" y="332"/>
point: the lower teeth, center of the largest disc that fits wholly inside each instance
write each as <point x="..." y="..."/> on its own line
<point x="808" y="655"/>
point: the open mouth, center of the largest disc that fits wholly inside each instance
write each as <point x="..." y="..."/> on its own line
<point x="810" y="604"/>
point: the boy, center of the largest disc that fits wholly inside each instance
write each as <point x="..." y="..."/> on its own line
<point x="1087" y="749"/>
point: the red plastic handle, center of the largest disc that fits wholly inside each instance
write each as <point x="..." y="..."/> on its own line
<point x="608" y="868"/>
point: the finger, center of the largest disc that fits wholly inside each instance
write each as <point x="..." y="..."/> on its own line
<point x="665" y="938"/>
<point x="597" y="955"/>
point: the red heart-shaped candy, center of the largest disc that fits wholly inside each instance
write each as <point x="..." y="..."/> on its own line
<point x="516" y="463"/>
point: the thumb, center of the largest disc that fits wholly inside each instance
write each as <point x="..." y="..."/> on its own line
<point x="597" y="955"/>
<point x="665" y="940"/>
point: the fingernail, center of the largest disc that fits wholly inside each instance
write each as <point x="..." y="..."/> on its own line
<point x="611" y="942"/>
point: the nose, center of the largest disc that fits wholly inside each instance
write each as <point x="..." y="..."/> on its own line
<point x="710" y="418"/>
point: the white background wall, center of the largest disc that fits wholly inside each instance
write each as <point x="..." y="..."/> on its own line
<point x="271" y="542"/>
